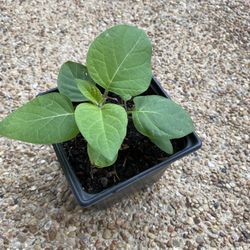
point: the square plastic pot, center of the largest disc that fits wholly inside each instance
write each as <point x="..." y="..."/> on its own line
<point x="188" y="144"/>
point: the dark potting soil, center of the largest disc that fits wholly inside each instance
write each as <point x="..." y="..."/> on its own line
<point x="137" y="154"/>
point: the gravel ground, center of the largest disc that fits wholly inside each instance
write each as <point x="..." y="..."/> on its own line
<point x="201" y="55"/>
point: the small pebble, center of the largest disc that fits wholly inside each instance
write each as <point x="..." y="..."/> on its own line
<point x="176" y="243"/>
<point x="151" y="235"/>
<point x="107" y="234"/>
<point x="199" y="240"/>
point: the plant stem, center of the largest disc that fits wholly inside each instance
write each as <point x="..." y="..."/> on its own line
<point x="116" y="174"/>
<point x="105" y="95"/>
<point x="113" y="98"/>
<point x="125" y="104"/>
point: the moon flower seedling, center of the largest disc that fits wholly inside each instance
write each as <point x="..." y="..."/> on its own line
<point x="118" y="62"/>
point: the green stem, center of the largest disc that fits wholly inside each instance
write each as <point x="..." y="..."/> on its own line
<point x="105" y="95"/>
<point x="125" y="105"/>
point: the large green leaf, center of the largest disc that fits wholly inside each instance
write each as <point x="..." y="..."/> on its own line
<point x="119" y="60"/>
<point x="46" y="119"/>
<point x="97" y="159"/>
<point x="66" y="82"/>
<point x="157" y="116"/>
<point x="90" y="91"/>
<point x="104" y="128"/>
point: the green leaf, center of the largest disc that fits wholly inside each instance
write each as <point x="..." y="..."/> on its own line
<point x="103" y="128"/>
<point x="163" y="143"/>
<point x="90" y="91"/>
<point x="119" y="60"/>
<point x="66" y="82"/>
<point x="46" y="119"/>
<point x="156" y="116"/>
<point x="97" y="159"/>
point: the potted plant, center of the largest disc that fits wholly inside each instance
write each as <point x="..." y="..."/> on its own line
<point x="113" y="127"/>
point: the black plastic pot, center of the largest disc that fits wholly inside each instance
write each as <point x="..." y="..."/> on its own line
<point x="188" y="144"/>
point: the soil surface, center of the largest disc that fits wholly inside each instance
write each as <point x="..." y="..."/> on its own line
<point x="137" y="154"/>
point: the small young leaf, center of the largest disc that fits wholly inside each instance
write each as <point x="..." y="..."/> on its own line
<point x="104" y="128"/>
<point x="66" y="82"/>
<point x="164" y="144"/>
<point x="46" y="119"/>
<point x="90" y="91"/>
<point x="119" y="60"/>
<point x="156" y="116"/>
<point x="97" y="159"/>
